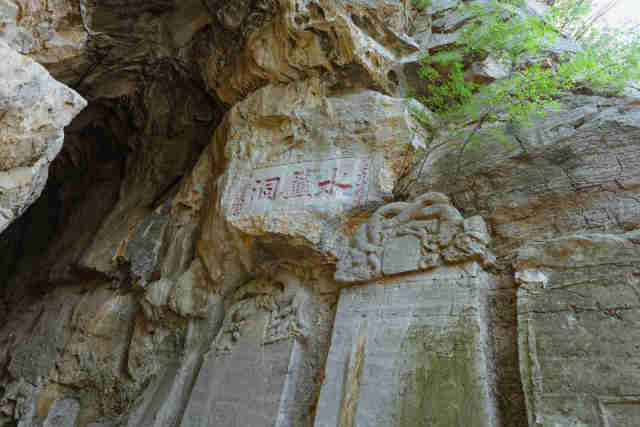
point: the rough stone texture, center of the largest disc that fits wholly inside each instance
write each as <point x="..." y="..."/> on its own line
<point x="241" y="165"/>
<point x="402" y="237"/>
<point x="76" y="338"/>
<point x="410" y="351"/>
<point x="361" y="40"/>
<point x="573" y="171"/>
<point x="50" y="32"/>
<point x="300" y="157"/>
<point x="34" y="109"/>
<point x="63" y="413"/>
<point x="578" y="317"/>
<point x="265" y="365"/>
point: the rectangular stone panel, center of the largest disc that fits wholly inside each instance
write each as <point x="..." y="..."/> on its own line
<point x="401" y="254"/>
<point x="579" y="331"/>
<point x="340" y="181"/>
<point x="263" y="367"/>
<point x="241" y="388"/>
<point x="410" y="351"/>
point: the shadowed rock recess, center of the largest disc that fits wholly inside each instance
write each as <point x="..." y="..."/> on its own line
<point x="219" y="241"/>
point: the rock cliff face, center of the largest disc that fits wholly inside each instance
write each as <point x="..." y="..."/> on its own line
<point x="239" y="229"/>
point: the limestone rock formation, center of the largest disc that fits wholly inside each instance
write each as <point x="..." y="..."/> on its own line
<point x="34" y="109"/>
<point x="52" y="33"/>
<point x="247" y="226"/>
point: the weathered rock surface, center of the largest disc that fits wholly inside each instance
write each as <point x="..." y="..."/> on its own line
<point x="405" y="237"/>
<point x="34" y="109"/>
<point x="578" y="317"/>
<point x="410" y="351"/>
<point x="299" y="157"/>
<point x="240" y="231"/>
<point x="276" y="329"/>
<point x="51" y="32"/>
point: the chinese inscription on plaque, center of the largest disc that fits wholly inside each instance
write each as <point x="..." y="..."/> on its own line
<point x="276" y="188"/>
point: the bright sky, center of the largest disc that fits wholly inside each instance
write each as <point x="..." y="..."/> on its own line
<point x="626" y="10"/>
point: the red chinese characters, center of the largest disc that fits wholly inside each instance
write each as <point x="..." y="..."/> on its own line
<point x="346" y="180"/>
<point x="252" y="190"/>
<point x="265" y="189"/>
<point x="299" y="184"/>
<point x="335" y="181"/>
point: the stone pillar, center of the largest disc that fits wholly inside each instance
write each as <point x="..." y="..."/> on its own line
<point x="264" y="365"/>
<point x="410" y="351"/>
<point x="409" y="345"/>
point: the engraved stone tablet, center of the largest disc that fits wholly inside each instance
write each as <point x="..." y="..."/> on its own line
<point x="401" y="254"/>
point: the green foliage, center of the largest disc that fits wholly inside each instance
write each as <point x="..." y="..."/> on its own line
<point x="497" y="30"/>
<point x="607" y="60"/>
<point x="535" y="78"/>
<point x="569" y="15"/>
<point x="446" y="85"/>
<point x="611" y="56"/>
<point x="421" y="4"/>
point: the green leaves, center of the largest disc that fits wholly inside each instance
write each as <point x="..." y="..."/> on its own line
<point x="483" y="112"/>
<point x="445" y="82"/>
<point x="421" y="4"/>
<point x="608" y="60"/>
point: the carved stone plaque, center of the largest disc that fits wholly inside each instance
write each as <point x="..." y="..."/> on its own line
<point x="401" y="254"/>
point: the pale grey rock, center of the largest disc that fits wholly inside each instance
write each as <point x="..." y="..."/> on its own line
<point x="51" y="33"/>
<point x="169" y="324"/>
<point x="102" y="325"/>
<point x="262" y="367"/>
<point x="156" y="299"/>
<point x="166" y="398"/>
<point x="489" y="70"/>
<point x="62" y="413"/>
<point x="307" y="37"/>
<point x="9" y="10"/>
<point x="569" y="177"/>
<point x="410" y="351"/>
<point x="17" y="402"/>
<point x="553" y="178"/>
<point x="476" y="227"/>
<point x="28" y="418"/>
<point x="440" y="41"/>
<point x="408" y="236"/>
<point x="401" y="254"/>
<point x="191" y="296"/>
<point x="34" y="109"/>
<point x="578" y="316"/>
<point x="33" y="356"/>
<point x="301" y="159"/>
<point x="439" y="6"/>
<point x="451" y="21"/>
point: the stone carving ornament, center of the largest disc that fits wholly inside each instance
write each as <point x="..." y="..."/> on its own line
<point x="409" y="236"/>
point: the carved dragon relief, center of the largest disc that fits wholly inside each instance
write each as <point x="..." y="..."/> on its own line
<point x="411" y="236"/>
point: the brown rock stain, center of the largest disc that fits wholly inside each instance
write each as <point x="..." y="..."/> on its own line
<point x="351" y="387"/>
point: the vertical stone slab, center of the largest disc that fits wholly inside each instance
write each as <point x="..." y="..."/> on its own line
<point x="410" y="351"/>
<point x="242" y="388"/>
<point x="263" y="367"/>
<point x="579" y="331"/>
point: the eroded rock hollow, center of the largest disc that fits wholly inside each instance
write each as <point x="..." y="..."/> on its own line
<point x="237" y="230"/>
